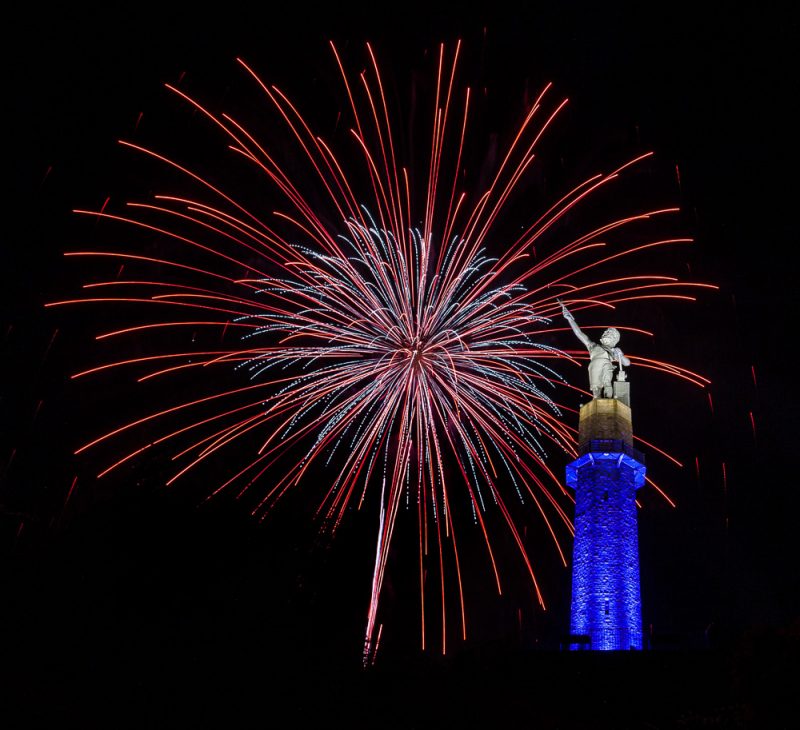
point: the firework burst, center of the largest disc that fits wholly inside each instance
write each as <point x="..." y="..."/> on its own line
<point x="400" y="346"/>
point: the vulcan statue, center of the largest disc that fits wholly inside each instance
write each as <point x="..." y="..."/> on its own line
<point x="603" y="357"/>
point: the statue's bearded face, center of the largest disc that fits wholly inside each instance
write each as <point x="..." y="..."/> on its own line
<point x="609" y="338"/>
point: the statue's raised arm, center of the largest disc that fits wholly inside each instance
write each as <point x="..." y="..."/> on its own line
<point x="579" y="333"/>
<point x="604" y="357"/>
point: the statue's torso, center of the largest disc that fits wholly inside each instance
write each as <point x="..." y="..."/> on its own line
<point x="600" y="352"/>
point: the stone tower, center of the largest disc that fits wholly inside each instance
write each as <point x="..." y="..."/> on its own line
<point x="606" y="612"/>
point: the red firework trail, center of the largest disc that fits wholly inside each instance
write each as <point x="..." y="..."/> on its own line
<point x="381" y="336"/>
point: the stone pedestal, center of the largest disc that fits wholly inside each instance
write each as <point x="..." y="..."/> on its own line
<point x="604" y="419"/>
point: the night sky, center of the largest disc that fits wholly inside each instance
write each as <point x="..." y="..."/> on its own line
<point x="130" y="595"/>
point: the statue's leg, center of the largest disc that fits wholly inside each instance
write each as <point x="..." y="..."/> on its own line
<point x="608" y="377"/>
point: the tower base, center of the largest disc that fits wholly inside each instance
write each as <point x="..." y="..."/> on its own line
<point x="606" y="604"/>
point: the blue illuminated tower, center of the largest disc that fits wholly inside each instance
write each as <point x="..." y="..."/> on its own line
<point x="606" y="610"/>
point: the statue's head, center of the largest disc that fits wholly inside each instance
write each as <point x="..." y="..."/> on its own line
<point x="610" y="337"/>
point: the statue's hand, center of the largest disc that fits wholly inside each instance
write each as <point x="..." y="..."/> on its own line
<point x="567" y="314"/>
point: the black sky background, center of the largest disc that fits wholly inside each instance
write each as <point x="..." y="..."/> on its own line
<point x="128" y="578"/>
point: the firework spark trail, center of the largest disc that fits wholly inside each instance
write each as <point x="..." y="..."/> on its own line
<point x="388" y="349"/>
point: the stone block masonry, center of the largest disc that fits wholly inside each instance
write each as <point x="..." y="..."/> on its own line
<point x="606" y="612"/>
